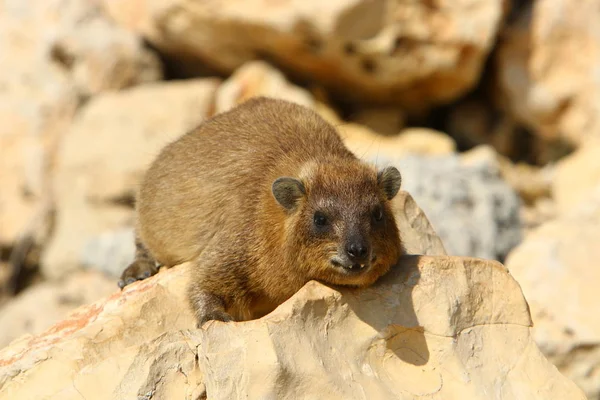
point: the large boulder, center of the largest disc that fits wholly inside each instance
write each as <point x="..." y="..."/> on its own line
<point x="102" y="157"/>
<point x="417" y="53"/>
<point x="548" y="69"/>
<point x="54" y="54"/>
<point x="557" y="267"/>
<point x="435" y="326"/>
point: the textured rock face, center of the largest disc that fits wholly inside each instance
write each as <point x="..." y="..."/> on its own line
<point x="557" y="266"/>
<point x="434" y="327"/>
<point x="77" y="39"/>
<point x="131" y="343"/>
<point x="548" y="69"/>
<point x="127" y="130"/>
<point x="469" y="205"/>
<point x="43" y="305"/>
<point x="258" y="78"/>
<point x="429" y="338"/>
<point x="53" y="54"/>
<point x="418" y="53"/>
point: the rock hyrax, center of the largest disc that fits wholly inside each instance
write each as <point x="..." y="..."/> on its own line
<point x="262" y="199"/>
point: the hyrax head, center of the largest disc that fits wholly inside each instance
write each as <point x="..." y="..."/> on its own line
<point x="339" y="225"/>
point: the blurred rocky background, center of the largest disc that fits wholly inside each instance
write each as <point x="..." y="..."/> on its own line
<point x="490" y="108"/>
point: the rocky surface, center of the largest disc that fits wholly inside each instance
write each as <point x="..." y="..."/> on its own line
<point x="91" y="90"/>
<point x="54" y="54"/>
<point x="110" y="251"/>
<point x="417" y="53"/>
<point x="368" y="144"/>
<point x="322" y="343"/>
<point x="427" y="329"/>
<point x="577" y="176"/>
<point x="38" y="308"/>
<point x="557" y="268"/>
<point x="257" y="78"/>
<point x="548" y="69"/>
<point x="95" y="185"/>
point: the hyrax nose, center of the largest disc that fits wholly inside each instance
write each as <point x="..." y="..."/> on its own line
<point x="357" y="251"/>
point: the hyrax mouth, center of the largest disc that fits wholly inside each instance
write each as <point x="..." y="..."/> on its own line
<point x="349" y="267"/>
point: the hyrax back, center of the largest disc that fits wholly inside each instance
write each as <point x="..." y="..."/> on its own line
<point x="262" y="199"/>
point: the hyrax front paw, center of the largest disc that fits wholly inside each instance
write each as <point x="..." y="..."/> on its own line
<point x="137" y="271"/>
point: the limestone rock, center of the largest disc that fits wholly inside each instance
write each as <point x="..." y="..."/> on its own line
<point x="426" y="330"/>
<point x="547" y="62"/>
<point x="79" y="40"/>
<point x="417" y="53"/>
<point x="418" y="343"/>
<point x="364" y="142"/>
<point x="43" y="305"/>
<point x="472" y="209"/>
<point x="441" y="321"/>
<point x="35" y="112"/>
<point x="95" y="183"/>
<point x="257" y="78"/>
<point x="109" y="251"/>
<point x="418" y="236"/>
<point x="132" y="344"/>
<point x="577" y="175"/>
<point x="53" y="52"/>
<point x="557" y="267"/>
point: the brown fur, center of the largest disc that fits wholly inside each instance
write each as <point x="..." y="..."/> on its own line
<point x="209" y="198"/>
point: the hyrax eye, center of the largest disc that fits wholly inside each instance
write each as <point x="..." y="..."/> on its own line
<point x="320" y="219"/>
<point x="378" y="213"/>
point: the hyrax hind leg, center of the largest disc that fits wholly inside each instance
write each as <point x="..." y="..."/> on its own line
<point x="142" y="267"/>
<point x="216" y="288"/>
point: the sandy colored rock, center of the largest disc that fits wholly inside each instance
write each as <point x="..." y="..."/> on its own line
<point x="133" y="342"/>
<point x="325" y="342"/>
<point x="557" y="267"/>
<point x="36" y="108"/>
<point x="532" y="183"/>
<point x="119" y="332"/>
<point x="364" y="142"/>
<point x="418" y="343"/>
<point x="418" y="236"/>
<point x="257" y="78"/>
<point x="548" y="69"/>
<point x="428" y="329"/>
<point x="418" y="53"/>
<point x="79" y="40"/>
<point x="43" y="305"/>
<point x="53" y="54"/>
<point x="94" y="183"/>
<point x="577" y="175"/>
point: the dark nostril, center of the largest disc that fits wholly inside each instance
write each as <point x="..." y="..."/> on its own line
<point x="357" y="250"/>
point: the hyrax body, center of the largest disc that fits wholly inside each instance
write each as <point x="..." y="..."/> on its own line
<point x="262" y="199"/>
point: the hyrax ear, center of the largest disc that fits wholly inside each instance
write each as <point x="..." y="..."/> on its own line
<point x="287" y="191"/>
<point x="389" y="180"/>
